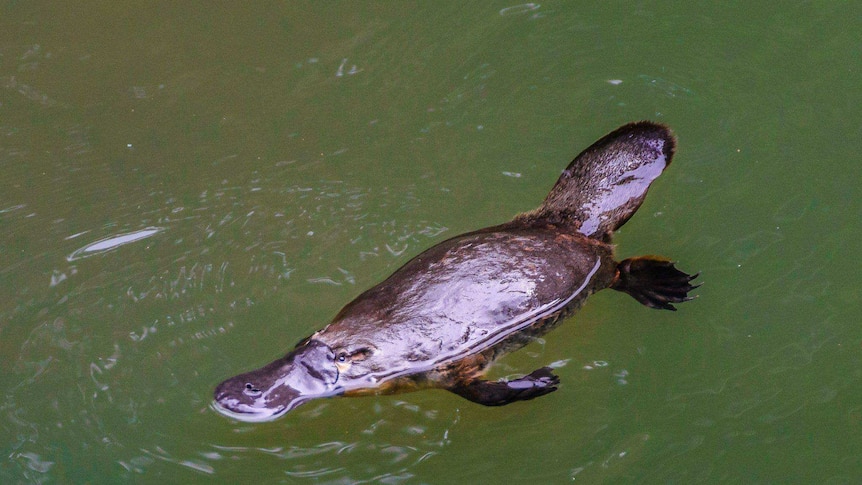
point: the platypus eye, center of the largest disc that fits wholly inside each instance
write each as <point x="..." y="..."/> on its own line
<point x="353" y="356"/>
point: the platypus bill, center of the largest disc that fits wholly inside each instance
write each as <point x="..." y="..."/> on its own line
<point x="442" y="318"/>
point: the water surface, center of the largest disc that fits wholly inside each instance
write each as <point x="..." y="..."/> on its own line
<point x="190" y="189"/>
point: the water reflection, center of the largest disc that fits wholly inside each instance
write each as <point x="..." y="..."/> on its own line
<point x="519" y="9"/>
<point x="113" y="242"/>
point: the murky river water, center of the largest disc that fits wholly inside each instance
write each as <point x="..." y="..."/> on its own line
<point x="188" y="189"/>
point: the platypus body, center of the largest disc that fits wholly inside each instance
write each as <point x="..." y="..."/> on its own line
<point x="441" y="319"/>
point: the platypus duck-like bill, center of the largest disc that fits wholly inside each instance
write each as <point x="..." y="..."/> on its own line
<point x="441" y="319"/>
<point x="308" y="372"/>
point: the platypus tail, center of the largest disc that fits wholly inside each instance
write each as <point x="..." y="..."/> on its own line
<point x="604" y="185"/>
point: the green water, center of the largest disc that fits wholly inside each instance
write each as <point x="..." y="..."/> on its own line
<point x="188" y="189"/>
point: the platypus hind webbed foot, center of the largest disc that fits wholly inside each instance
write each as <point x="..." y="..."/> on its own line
<point x="654" y="282"/>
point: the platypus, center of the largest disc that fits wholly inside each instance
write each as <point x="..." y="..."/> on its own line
<point x="441" y="319"/>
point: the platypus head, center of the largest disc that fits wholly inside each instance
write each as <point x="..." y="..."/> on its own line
<point x="307" y="372"/>
<point x="312" y="370"/>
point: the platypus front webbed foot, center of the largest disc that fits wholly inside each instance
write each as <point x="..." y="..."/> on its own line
<point x="654" y="282"/>
<point x="498" y="393"/>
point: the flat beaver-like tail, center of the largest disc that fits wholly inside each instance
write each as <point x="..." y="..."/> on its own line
<point x="604" y="185"/>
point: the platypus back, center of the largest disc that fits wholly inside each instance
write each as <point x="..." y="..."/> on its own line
<point x="604" y="185"/>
